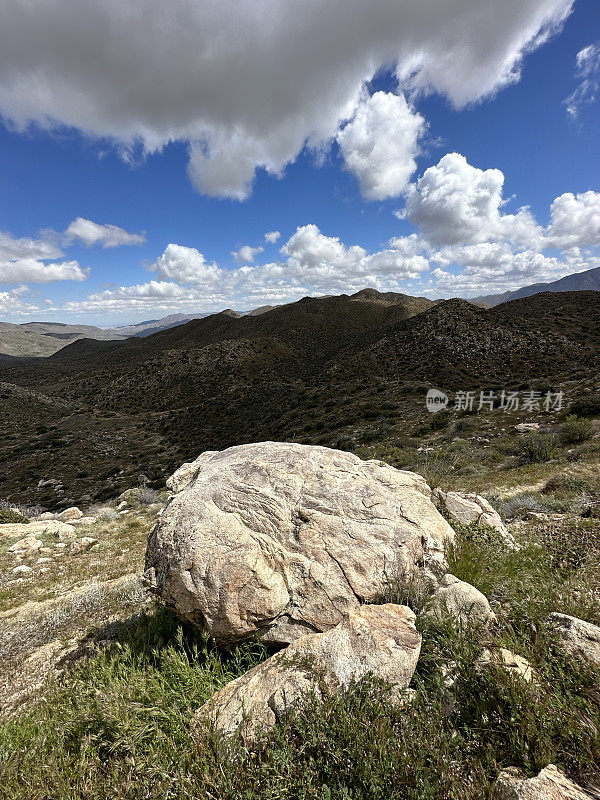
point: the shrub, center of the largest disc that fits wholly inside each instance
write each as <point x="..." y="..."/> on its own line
<point x="11" y="515"/>
<point x="537" y="448"/>
<point x="586" y="407"/>
<point x="576" y="429"/>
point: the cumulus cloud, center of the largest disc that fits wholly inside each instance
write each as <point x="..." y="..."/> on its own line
<point x="380" y="143"/>
<point x="272" y="236"/>
<point x="34" y="271"/>
<point x="491" y="267"/>
<point x="246" y="254"/>
<point x="575" y="220"/>
<point x="242" y="93"/>
<point x="91" y="233"/>
<point x="314" y="263"/>
<point x="186" y="265"/>
<point x="588" y="72"/>
<point x="456" y="203"/>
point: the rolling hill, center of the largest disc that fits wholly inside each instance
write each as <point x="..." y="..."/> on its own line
<point x="97" y="414"/>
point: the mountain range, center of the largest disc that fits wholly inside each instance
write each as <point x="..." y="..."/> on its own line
<point x="578" y="282"/>
<point x="96" y="415"/>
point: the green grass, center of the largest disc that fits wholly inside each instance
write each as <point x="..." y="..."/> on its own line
<point x="119" y="725"/>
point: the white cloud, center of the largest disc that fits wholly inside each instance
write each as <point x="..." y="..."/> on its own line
<point x="32" y="270"/>
<point x="272" y="236"/>
<point x="588" y="71"/>
<point x="380" y="143"/>
<point x="456" y="203"/>
<point x="314" y="263"/>
<point x="12" y="249"/>
<point x="575" y="220"/>
<point x="91" y="233"/>
<point x="490" y="268"/>
<point x="187" y="265"/>
<point x="246" y="254"/>
<point x="243" y="93"/>
<point x="12" y="302"/>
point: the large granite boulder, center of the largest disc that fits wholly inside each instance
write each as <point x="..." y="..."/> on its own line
<point x="376" y="640"/>
<point x="550" y="784"/>
<point x="279" y="540"/>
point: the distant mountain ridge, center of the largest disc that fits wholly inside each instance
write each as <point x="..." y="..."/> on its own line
<point x="319" y="371"/>
<point x="577" y="282"/>
<point x="43" y="339"/>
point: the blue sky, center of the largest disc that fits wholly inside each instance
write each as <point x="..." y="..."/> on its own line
<point x="346" y="140"/>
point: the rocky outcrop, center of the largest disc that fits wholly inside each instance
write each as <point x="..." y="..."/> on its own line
<point x="472" y="509"/>
<point x="378" y="640"/>
<point x="461" y="602"/>
<point x="280" y="540"/>
<point x="48" y="527"/>
<point x="550" y="784"/>
<point x="70" y="514"/>
<point x="576" y="638"/>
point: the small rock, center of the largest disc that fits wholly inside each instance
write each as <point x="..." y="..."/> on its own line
<point x="70" y="514"/>
<point x="379" y="640"/>
<point x="123" y="504"/>
<point x="473" y="509"/>
<point x="44" y="560"/>
<point x="45" y="516"/>
<point x="577" y="638"/>
<point x="82" y="545"/>
<point x="462" y="602"/>
<point x="25" y="546"/>
<point x="22" y="570"/>
<point x="527" y="427"/>
<point x="550" y="784"/>
<point x="84" y="521"/>
<point x="505" y="659"/>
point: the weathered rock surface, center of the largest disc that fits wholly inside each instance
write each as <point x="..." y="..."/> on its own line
<point x="473" y="509"/>
<point x="577" y="638"/>
<point x="460" y="601"/>
<point x="507" y="660"/>
<point x="281" y="540"/>
<point x="82" y="545"/>
<point x="379" y="640"/>
<point x="527" y="427"/>
<point x="26" y="546"/>
<point x="69" y="514"/>
<point x="550" y="784"/>
<point x="50" y="527"/>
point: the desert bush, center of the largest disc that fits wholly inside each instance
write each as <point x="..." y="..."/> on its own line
<point x="520" y="505"/>
<point x="536" y="448"/>
<point x="586" y="407"/>
<point x="8" y="515"/>
<point x="576" y="429"/>
<point x="103" y="513"/>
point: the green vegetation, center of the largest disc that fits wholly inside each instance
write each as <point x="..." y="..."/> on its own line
<point x="118" y="727"/>
<point x="10" y="514"/>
